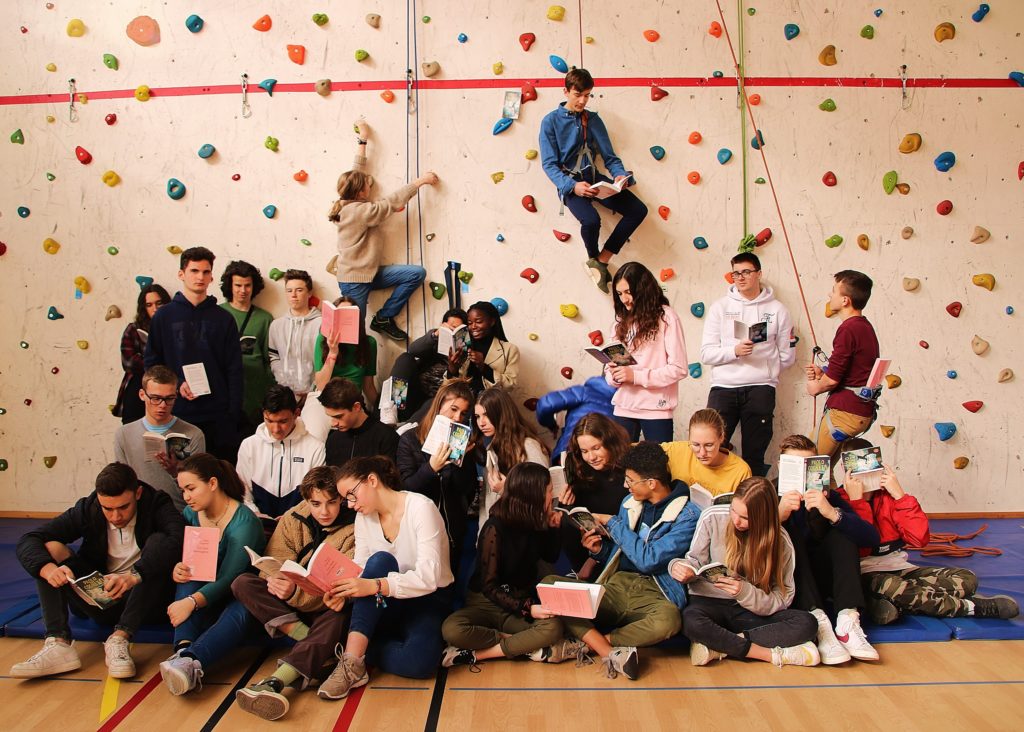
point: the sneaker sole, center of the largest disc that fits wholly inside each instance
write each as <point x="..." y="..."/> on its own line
<point x="631" y="669"/>
<point x="359" y="682"/>
<point x="125" y="673"/>
<point x="175" y="681"/>
<point x="863" y="656"/>
<point x="33" y="674"/>
<point x="833" y="660"/>
<point x="595" y="276"/>
<point x="264" y="705"/>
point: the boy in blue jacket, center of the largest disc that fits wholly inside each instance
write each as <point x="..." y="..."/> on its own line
<point x="641" y="603"/>
<point x="571" y="138"/>
<point x="593" y="395"/>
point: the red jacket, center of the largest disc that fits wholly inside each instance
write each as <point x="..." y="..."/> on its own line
<point x="895" y="519"/>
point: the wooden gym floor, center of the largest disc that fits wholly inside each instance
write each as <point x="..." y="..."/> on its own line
<point x="957" y="685"/>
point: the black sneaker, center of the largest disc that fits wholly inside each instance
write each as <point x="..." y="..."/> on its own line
<point x="458" y="657"/>
<point x="388" y="327"/>
<point x="996" y="606"/>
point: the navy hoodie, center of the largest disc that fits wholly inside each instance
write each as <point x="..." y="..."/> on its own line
<point x="182" y="333"/>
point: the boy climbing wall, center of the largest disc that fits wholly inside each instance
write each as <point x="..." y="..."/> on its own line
<point x="571" y="138"/>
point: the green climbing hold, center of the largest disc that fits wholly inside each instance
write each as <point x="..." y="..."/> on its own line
<point x="426" y="18"/>
<point x="3" y="464"/>
<point x="889" y="181"/>
<point x="110" y="61"/>
<point x="759" y="180"/>
<point x="361" y="54"/>
<point x="18" y="137"/>
<point x="112" y="250"/>
<point x="320" y="18"/>
<point x="833" y="241"/>
<point x="438" y="290"/>
<point x="465" y="276"/>
<point x="271" y="143"/>
<point x="751" y="11"/>
<point x="51" y="177"/>
<point x="23" y="345"/>
<point x="828" y="105"/>
<point x="275" y="274"/>
<point x="717" y="74"/>
<point x="306" y="242"/>
<point x="867" y="32"/>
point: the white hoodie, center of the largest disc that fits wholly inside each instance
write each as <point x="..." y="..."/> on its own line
<point x="717" y="347"/>
<point x="277" y="467"/>
<point x="291" y="341"/>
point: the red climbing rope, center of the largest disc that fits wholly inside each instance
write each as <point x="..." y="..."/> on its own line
<point x="944" y="545"/>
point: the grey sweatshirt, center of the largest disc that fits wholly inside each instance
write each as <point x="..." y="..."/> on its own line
<point x="130" y="449"/>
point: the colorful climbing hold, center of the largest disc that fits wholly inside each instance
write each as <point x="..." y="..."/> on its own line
<point x="829" y="179"/>
<point x="652" y="36"/>
<point x="532" y="336"/>
<point x="559" y="64"/>
<point x="596" y="339"/>
<point x="978" y="15"/>
<point x="301" y="176"/>
<point x="526" y="40"/>
<point x="529" y="203"/>
<point x="693" y="177"/>
<point x="907" y="231"/>
<point x="497" y="68"/>
<point x="275" y="274"/>
<point x="945" y="161"/>
<point x="110" y="61"/>
<point x="724" y="156"/>
<point x="194" y="23"/>
<point x="111" y="178"/>
<point x="945" y="430"/>
<point x="757" y="140"/>
<point x="49" y="460"/>
<point x="657" y="93"/>
<point x="569" y="310"/>
<point x="955" y="308"/>
<point x="945" y="32"/>
<point x="893" y="381"/>
<point x="430" y="68"/>
<point x="699" y="242"/>
<point x="206" y="151"/>
<point x="527" y="93"/>
<point x="54" y="314"/>
<point x="987" y="281"/>
<point x="886" y="429"/>
<point x="944" y="208"/>
<point x="1004" y="376"/>
<point x="666" y="274"/>
<point x="438" y="290"/>
<point x="980" y="235"/>
<point x="827" y="57"/>
<point x="664" y="211"/>
<point x="1017" y="77"/>
<point x="82" y="285"/>
<point x="717" y="74"/>
<point x="175" y="189"/>
<point x="827" y="105"/>
<point x="462" y="38"/>
<point x="499" y="238"/>
<point x="76" y="28"/>
<point x="868" y="32"/>
<point x="973" y="406"/>
<point x="566" y="372"/>
<point x="55" y="371"/>
<point x="263" y="24"/>
<point x="694" y="138"/>
<point x="3" y="464"/>
<point x="561" y="235"/>
<point x="321" y="19"/>
<point x="110" y="118"/>
<point x="759" y="181"/>
<point x="791" y="31"/>
<point x="23" y="211"/>
<point x="143" y="93"/>
<point x="556" y="12"/>
<point x="531" y="154"/>
<point x="833" y="241"/>
<point x="911" y="142"/>
<point x="923" y="344"/>
<point x="271" y="143"/>
<point x="18" y="137"/>
<point x="1009" y="308"/>
<point x="697" y="309"/>
<point x="754" y="99"/>
<point x="323" y="87"/>
<point x="889" y="181"/>
<point x="361" y="54"/>
<point x="51" y="67"/>
<point x="658" y="152"/>
<point x="500" y="304"/>
<point x="268" y="85"/>
<point x="959" y="463"/>
<point x="715" y="29"/>
<point x="83" y="155"/>
<point x="23" y="345"/>
<point x="144" y="30"/>
<point x="695" y="370"/>
<point x="530" y="275"/>
<point x="501" y="125"/>
<point x="911" y="284"/>
<point x="497" y="177"/>
<point x="270" y="210"/>
<point x="51" y="246"/>
<point x="763" y="237"/>
<point x="174" y="249"/>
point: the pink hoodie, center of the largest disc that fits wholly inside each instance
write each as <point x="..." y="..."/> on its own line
<point x="660" y="365"/>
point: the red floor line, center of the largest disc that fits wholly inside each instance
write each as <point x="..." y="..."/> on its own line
<point x="864" y="82"/>
<point x="120" y="715"/>
<point x="348" y="712"/>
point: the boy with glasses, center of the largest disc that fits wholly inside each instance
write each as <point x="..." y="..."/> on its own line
<point x="160" y="470"/>
<point x="746" y="340"/>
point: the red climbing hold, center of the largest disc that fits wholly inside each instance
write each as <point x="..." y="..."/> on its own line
<point x="526" y="40"/>
<point x="110" y="118"/>
<point x="83" y="155"/>
<point x="3" y="248"/>
<point x="694" y="177"/>
<point x="666" y="274"/>
<point x="694" y="138"/>
<point x="531" y="404"/>
<point x="297" y="54"/>
<point x="529" y="204"/>
<point x="658" y="93"/>
<point x="763" y="237"/>
<point x="263" y="24"/>
<point x="560" y="235"/>
<point x="923" y="344"/>
<point x="528" y="93"/>
<point x="567" y="372"/>
<point x="729" y="278"/>
<point x="28" y="402"/>
<point x="954" y="309"/>
<point x="236" y="176"/>
<point x="944" y="208"/>
<point x="1020" y="170"/>
<point x="715" y="29"/>
<point x="664" y="211"/>
<point x="829" y="179"/>
<point x="530" y="274"/>
<point x="302" y="176"/>
<point x="754" y="99"/>
<point x="596" y="338"/>
<point x="973" y="406"/>
<point x="652" y="35"/>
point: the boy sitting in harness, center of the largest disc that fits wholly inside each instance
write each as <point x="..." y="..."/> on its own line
<point x="571" y="138"/>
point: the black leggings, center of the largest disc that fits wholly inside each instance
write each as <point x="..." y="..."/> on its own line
<point x="723" y="625"/>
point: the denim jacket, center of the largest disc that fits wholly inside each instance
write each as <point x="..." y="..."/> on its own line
<point x="561" y="135"/>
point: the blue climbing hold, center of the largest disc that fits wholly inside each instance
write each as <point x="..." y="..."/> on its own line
<point x="878" y="12"/>
<point x="724" y="155"/>
<point x="175" y="189"/>
<point x="23" y="212"/>
<point x="945" y="430"/>
<point x="194" y="23"/>
<point x="717" y="74"/>
<point x="1009" y="309"/>
<point x="1018" y="77"/>
<point x="658" y="152"/>
<point x="206" y="151"/>
<point x="54" y="314"/>
<point x="501" y="125"/>
<point x="945" y="161"/>
<point x="559" y="63"/>
<point x="500" y="237"/>
<point x="500" y="304"/>
<point x="270" y="211"/>
<point x="979" y="15"/>
<point x="695" y="370"/>
<point x="463" y="38"/>
<point x="697" y="310"/>
<point x="951" y="374"/>
<point x="700" y="243"/>
<point x="757" y="140"/>
<point x="143" y="281"/>
<point x="792" y="30"/>
<point x="267" y="85"/>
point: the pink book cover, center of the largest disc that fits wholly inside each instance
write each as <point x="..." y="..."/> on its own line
<point x="561" y="599"/>
<point x="325" y="566"/>
<point x="878" y="372"/>
<point x="200" y="552"/>
<point x="341" y="321"/>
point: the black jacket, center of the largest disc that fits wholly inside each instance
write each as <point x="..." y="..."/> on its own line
<point x="159" y="532"/>
<point x="373" y="438"/>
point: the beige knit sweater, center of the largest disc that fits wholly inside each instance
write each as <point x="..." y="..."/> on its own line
<point x="360" y="241"/>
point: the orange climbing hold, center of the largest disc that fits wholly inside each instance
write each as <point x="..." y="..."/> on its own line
<point x="388" y="96"/>
<point x="263" y="24"/>
<point x="664" y="211"/>
<point x="695" y="138"/>
<point x="652" y="35"/>
<point x="143" y="30"/>
<point x="715" y="29"/>
<point x="302" y="176"/>
<point x="729" y="278"/>
<point x="754" y="99"/>
<point x="297" y="54"/>
<point x="694" y="177"/>
<point x="667" y="274"/>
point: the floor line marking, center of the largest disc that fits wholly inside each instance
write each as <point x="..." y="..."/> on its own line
<point x="108" y="703"/>
<point x="772" y="687"/>
<point x="120" y="715"/>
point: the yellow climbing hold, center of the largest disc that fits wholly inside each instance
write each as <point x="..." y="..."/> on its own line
<point x="887" y="429"/>
<point x="51" y="246"/>
<point x="112" y="312"/>
<point x="945" y="32"/>
<point x="82" y="345"/>
<point x="111" y="178"/>
<point x="911" y="143"/>
<point x="569" y="310"/>
<point x="82" y="285"/>
<point x="51" y="66"/>
<point x="498" y="177"/>
<point x="531" y="154"/>
<point x="979" y="345"/>
<point x="829" y="312"/>
<point x="533" y="336"/>
<point x="892" y="381"/>
<point x="827" y="57"/>
<point x="556" y="12"/>
<point x="960" y="462"/>
<point x="588" y="39"/>
<point x="174" y="249"/>
<point x="497" y="68"/>
<point x="863" y="242"/>
<point x="984" y="280"/>
<point x="142" y="93"/>
<point x="76" y="28"/>
<point x="911" y="283"/>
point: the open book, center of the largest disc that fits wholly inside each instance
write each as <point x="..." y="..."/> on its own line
<point x="454" y="433"/>
<point x="325" y="566"/>
<point x="756" y="333"/>
<point x="340" y="322"/>
<point x="558" y="482"/>
<point x="866" y="465"/>
<point x="90" y="589"/>
<point x="614" y="353"/>
<point x="394" y="391"/>
<point x="701" y="497"/>
<point x="712" y="570"/>
<point x="574" y="599"/>
<point x="606" y="190"/>
<point x="584" y="520"/>
<point x="173" y="444"/>
<point x="804" y="473"/>
<point x="452" y="340"/>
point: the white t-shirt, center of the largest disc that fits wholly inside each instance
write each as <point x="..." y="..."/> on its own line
<point x="421" y="548"/>
<point x="122" y="549"/>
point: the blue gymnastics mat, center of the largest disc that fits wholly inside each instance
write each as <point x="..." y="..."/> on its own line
<point x="31" y="626"/>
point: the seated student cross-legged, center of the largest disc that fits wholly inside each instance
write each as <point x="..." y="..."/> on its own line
<point x="641" y="602"/>
<point x="743" y="613"/>
<point x="131" y="534"/>
<point x="503" y="617"/>
<point x="404" y="593"/>
<point x="703" y="461"/>
<point x="826" y="533"/>
<point x="283" y="609"/>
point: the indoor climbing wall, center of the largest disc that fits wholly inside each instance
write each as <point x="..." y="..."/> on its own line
<point x="891" y="135"/>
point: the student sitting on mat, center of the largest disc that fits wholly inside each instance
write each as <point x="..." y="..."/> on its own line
<point x="641" y="603"/>
<point x="826" y="533"/>
<point x="743" y="612"/>
<point x="503" y="617"/>
<point x="703" y="460"/>
<point x="892" y="584"/>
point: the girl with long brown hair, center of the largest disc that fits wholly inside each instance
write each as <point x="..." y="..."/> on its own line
<point x="743" y="610"/>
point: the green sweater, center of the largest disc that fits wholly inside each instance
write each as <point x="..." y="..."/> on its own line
<point x="346" y="366"/>
<point x="243" y="530"/>
<point x="255" y="359"/>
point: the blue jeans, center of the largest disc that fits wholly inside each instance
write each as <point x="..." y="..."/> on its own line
<point x="200" y="619"/>
<point x="405" y="637"/>
<point x="405" y="278"/>
<point x="631" y="208"/>
<point x="655" y="430"/>
<point x="234" y="625"/>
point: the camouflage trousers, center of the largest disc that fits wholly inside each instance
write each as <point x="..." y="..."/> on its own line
<point x="935" y="591"/>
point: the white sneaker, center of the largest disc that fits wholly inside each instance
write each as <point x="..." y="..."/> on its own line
<point x="701" y="655"/>
<point x="562" y="651"/>
<point x="622" y="660"/>
<point x="119" y="661"/>
<point x="832" y="652"/>
<point x="805" y="654"/>
<point x="55" y="657"/>
<point x="851" y="635"/>
<point x="181" y="674"/>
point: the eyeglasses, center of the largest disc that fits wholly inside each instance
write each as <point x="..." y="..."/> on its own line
<point x="630" y="483"/>
<point x="350" y="497"/>
<point x="744" y="273"/>
<point x="156" y="400"/>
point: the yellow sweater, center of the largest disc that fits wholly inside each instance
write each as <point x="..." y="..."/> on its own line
<point x="685" y="466"/>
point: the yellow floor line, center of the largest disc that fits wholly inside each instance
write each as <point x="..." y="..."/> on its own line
<point x="109" y="702"/>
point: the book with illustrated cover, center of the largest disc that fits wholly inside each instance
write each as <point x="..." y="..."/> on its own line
<point x="395" y="391"/>
<point x="584" y="520"/>
<point x="452" y="340"/>
<point x="455" y="434"/>
<point x="173" y="444"/>
<point x="866" y="465"/>
<point x="756" y="333"/>
<point x="713" y="570"/>
<point x="804" y="473"/>
<point x="90" y="589"/>
<point x="614" y="353"/>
